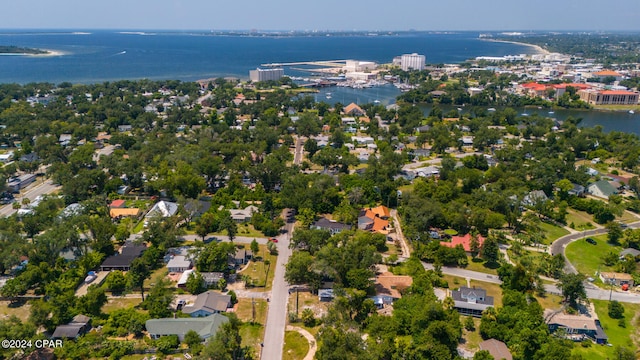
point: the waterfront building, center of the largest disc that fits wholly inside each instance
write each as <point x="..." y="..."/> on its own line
<point x="608" y="97"/>
<point x="359" y="66"/>
<point x="266" y="74"/>
<point x="412" y="62"/>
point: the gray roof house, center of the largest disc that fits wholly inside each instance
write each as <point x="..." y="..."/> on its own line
<point x="179" y="263"/>
<point x="333" y="227"/>
<point x="601" y="189"/>
<point x="122" y="261"/>
<point x="471" y="301"/>
<point x="208" y="303"/>
<point x="241" y="257"/>
<point x="206" y="327"/>
<point x="80" y="325"/>
<point x="534" y="197"/>
<point x="243" y="215"/>
<point x="212" y="278"/>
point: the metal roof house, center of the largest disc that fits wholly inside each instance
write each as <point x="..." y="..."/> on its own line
<point x="471" y="301"/>
<point x="208" y="303"/>
<point x="206" y="327"/>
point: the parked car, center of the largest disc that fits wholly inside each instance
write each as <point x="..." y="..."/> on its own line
<point x="591" y="241"/>
<point x="273" y="240"/>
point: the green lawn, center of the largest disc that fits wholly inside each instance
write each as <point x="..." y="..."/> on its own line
<point x="252" y="335"/>
<point x="121" y="303"/>
<point x="617" y="335"/>
<point x="580" y="219"/>
<point x="552" y="232"/>
<point x="480" y="265"/>
<point x="257" y="270"/>
<point x="472" y="339"/>
<point x="245" y="310"/>
<point x="296" y="346"/>
<point x="243" y="230"/>
<point x="627" y="218"/>
<point x="587" y="258"/>
<point x="156" y="277"/>
<point x="21" y="311"/>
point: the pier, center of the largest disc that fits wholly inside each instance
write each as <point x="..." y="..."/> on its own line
<point x="328" y="63"/>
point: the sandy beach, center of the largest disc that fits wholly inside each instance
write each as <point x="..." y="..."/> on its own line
<point x="537" y="48"/>
<point x="48" y="53"/>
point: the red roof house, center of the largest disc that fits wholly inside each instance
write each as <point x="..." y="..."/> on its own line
<point x="464" y="240"/>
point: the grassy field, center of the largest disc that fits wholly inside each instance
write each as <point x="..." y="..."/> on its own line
<point x="472" y="339"/>
<point x="587" y="258"/>
<point x="296" y="346"/>
<point x="480" y="265"/>
<point x="617" y="107"/>
<point x="243" y="230"/>
<point x="257" y="270"/>
<point x="627" y="217"/>
<point x="623" y="336"/>
<point x="245" y="310"/>
<point x="252" y="335"/>
<point x="121" y="303"/>
<point x="156" y="277"/>
<point x="19" y="310"/>
<point x="552" y="232"/>
<point x="580" y="219"/>
<point x="549" y="301"/>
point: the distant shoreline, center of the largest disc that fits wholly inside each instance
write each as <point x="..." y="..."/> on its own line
<point x="44" y="53"/>
<point x="539" y="49"/>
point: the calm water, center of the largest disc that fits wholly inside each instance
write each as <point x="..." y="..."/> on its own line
<point x="97" y="56"/>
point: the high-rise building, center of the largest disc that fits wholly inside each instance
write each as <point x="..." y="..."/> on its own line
<point x="266" y="74"/>
<point x="412" y="62"/>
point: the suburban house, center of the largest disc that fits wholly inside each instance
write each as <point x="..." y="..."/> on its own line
<point x="375" y="219"/>
<point x="123" y="212"/>
<point x="325" y="295"/>
<point x="464" y="240"/>
<point x="80" y="325"/>
<point x="208" y="303"/>
<point x="212" y="278"/>
<point x="617" y="279"/>
<point x="241" y="257"/>
<point x="179" y="263"/>
<point x="332" y="226"/>
<point x="389" y="288"/>
<point x="471" y="301"/>
<point x="534" y="197"/>
<point x="577" y="327"/>
<point x="353" y="109"/>
<point x="162" y="209"/>
<point x="206" y="327"/>
<point x="122" y="260"/>
<point x="182" y="281"/>
<point x="578" y="190"/>
<point x="601" y="189"/>
<point x="119" y="203"/>
<point x="243" y="215"/>
<point x="497" y="349"/>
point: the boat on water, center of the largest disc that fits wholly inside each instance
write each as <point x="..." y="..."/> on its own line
<point x="631" y="112"/>
<point x="551" y="112"/>
<point x="328" y="96"/>
<point x="491" y="109"/>
<point x="376" y="101"/>
<point x="459" y="109"/>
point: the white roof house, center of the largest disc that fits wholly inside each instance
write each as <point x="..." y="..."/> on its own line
<point x="163" y="209"/>
<point x="179" y="263"/>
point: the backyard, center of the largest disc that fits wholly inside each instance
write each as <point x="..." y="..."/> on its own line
<point x="258" y="270"/>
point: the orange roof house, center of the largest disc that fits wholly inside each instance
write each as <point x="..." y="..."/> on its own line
<point x="353" y="109"/>
<point x="605" y="73"/>
<point x="392" y="285"/>
<point x="381" y="211"/>
<point x="464" y="240"/>
<point x="375" y="219"/>
<point x="122" y="212"/>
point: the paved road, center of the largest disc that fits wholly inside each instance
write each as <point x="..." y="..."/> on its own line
<point x="559" y="246"/>
<point x="592" y="291"/>
<point x="31" y="192"/>
<point x="277" y="315"/>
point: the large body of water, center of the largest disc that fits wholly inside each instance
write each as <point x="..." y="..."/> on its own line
<point x="97" y="56"/>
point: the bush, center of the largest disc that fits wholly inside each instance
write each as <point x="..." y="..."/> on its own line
<point x="469" y="325"/>
<point x="616" y="310"/>
<point x="307" y="318"/>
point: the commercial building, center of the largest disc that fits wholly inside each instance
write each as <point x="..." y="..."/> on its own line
<point x="266" y="74"/>
<point x="609" y="97"/>
<point x="412" y="62"/>
<point x="359" y="66"/>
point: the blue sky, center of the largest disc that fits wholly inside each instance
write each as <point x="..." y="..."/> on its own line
<point x="323" y="15"/>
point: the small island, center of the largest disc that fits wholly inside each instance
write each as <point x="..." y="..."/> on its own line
<point x="16" y="50"/>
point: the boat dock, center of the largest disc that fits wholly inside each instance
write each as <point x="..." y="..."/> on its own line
<point x="326" y="63"/>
